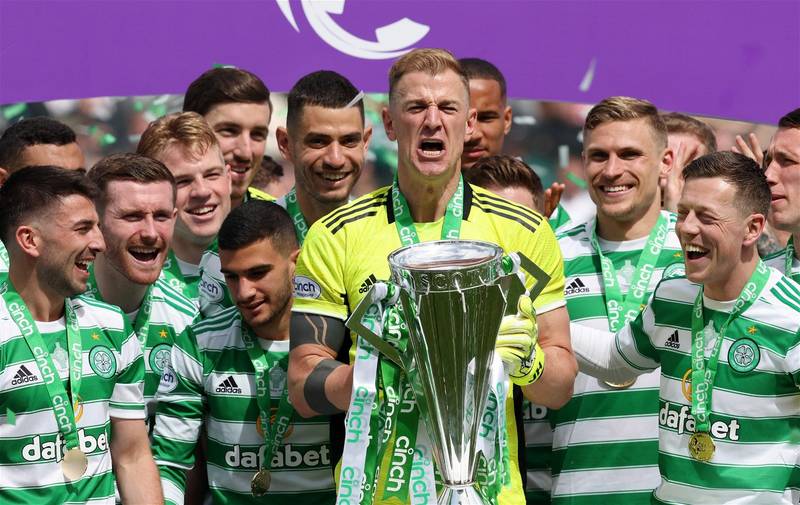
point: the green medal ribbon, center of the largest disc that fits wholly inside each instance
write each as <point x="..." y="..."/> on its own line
<point x="623" y="310"/>
<point x="704" y="372"/>
<point x="788" y="259"/>
<point x="142" y="323"/>
<point x="453" y="215"/>
<point x="61" y="402"/>
<point x="263" y="362"/>
<point x="292" y="207"/>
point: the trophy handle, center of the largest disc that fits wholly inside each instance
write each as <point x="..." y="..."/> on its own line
<point x="356" y="325"/>
<point x="514" y="287"/>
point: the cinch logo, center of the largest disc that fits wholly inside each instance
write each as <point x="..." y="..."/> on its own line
<point x="673" y="341"/>
<point x="284" y="457"/>
<point x="643" y="282"/>
<point x="678" y="418"/>
<point x="228" y="386"/>
<point x="369" y="281"/>
<point x="576" y="287"/>
<point x="350" y="486"/>
<point x="306" y="288"/>
<point x="23" y="376"/>
<point x="211" y="289"/>
<point x="489" y="418"/>
<point x="397" y="474"/>
<point x="419" y="486"/>
<point x="358" y="417"/>
<point x="19" y="317"/>
<point x="54" y="451"/>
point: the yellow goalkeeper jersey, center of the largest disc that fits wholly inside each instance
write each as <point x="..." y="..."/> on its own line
<point x="346" y="251"/>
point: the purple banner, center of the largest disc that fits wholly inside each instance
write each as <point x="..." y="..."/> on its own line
<point x="735" y="59"/>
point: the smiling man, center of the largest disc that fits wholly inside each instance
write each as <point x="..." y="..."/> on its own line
<point x="136" y="204"/>
<point x="725" y="337"/>
<point x="783" y="176"/>
<point x="612" y="263"/>
<point x="236" y="105"/>
<point x="326" y="142"/>
<point x="187" y="146"/>
<point x="71" y="387"/>
<point x="345" y="252"/>
<point x="229" y="372"/>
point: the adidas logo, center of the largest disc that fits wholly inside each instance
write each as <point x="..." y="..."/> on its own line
<point x="369" y="281"/>
<point x="23" y="376"/>
<point x="576" y="287"/>
<point x="673" y="341"/>
<point x="228" y="386"/>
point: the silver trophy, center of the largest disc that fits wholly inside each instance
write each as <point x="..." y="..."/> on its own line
<point x="454" y="294"/>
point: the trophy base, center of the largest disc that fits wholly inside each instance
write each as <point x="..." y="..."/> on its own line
<point x="460" y="495"/>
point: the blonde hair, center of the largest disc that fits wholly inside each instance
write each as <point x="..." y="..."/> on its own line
<point x="624" y="108"/>
<point x="429" y="61"/>
<point x="188" y="130"/>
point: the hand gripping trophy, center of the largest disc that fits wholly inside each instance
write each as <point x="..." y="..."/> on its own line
<point x="428" y="338"/>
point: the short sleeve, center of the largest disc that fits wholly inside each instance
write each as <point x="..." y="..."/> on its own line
<point x="319" y="284"/>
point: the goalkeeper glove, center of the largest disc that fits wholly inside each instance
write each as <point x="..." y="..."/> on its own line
<point x="518" y="345"/>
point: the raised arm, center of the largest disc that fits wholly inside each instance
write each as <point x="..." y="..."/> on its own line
<point x="318" y="383"/>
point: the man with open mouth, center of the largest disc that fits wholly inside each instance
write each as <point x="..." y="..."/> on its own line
<point x="188" y="147"/>
<point x="725" y="337"/>
<point x="783" y="175"/>
<point x="36" y="142"/>
<point x="326" y="141"/>
<point x="346" y="251"/>
<point x="612" y="263"/>
<point x="72" y="366"/>
<point x="237" y="107"/>
<point x="136" y="205"/>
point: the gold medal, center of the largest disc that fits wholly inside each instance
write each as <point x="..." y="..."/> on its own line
<point x="701" y="446"/>
<point x="260" y="483"/>
<point x="620" y="385"/>
<point x="74" y="464"/>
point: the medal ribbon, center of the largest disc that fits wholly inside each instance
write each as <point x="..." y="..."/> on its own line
<point x="357" y="475"/>
<point x="62" y="406"/>
<point x="704" y="372"/>
<point x="453" y="215"/>
<point x="263" y="362"/>
<point x="293" y="208"/>
<point x="788" y="259"/>
<point x="142" y="323"/>
<point x="623" y="310"/>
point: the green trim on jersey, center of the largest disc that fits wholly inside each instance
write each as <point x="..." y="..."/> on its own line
<point x="605" y="439"/>
<point x="560" y="219"/>
<point x="345" y="253"/>
<point x="187" y="285"/>
<point x="754" y="414"/>
<point x="170" y="314"/>
<point x="777" y="260"/>
<point x="211" y="381"/>
<point x="32" y="447"/>
<point x="3" y="259"/>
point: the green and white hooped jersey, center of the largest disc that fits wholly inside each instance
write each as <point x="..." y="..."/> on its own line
<point x="182" y="276"/>
<point x="755" y="400"/>
<point x="605" y="440"/>
<point x="214" y="295"/>
<point x="170" y="314"/>
<point x="778" y="262"/>
<point x="211" y="380"/>
<point x="111" y="386"/>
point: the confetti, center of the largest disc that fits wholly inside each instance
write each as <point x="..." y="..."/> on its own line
<point x="14" y="110"/>
<point x="563" y="155"/>
<point x="528" y="120"/>
<point x="355" y="99"/>
<point x="577" y="180"/>
<point x="11" y="417"/>
<point x="108" y="139"/>
<point x="586" y="83"/>
<point x="222" y="65"/>
<point x="138" y="106"/>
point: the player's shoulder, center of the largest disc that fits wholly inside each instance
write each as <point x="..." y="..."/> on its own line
<point x="503" y="211"/>
<point x="91" y="311"/>
<point x="219" y="330"/>
<point x="782" y="292"/>
<point x="365" y="211"/>
<point x="675" y="286"/>
<point x="776" y="259"/>
<point x="174" y="299"/>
